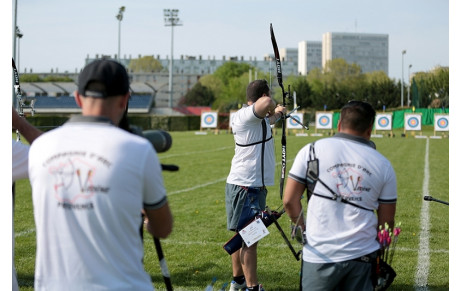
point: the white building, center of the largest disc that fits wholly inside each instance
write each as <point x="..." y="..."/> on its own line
<point x="370" y="51"/>
<point x="309" y="56"/>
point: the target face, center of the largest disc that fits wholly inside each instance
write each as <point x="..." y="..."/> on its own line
<point x="441" y="122"/>
<point x="324" y="120"/>
<point x="209" y="120"/>
<point x="413" y="122"/>
<point x="291" y="123"/>
<point x="383" y="122"/>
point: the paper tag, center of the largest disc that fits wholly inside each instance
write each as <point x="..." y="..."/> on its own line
<point x="254" y="232"/>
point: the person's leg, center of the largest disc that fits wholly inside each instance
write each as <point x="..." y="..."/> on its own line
<point x="235" y="200"/>
<point x="236" y="264"/>
<point x="249" y="263"/>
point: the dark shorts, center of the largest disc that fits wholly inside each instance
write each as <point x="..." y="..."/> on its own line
<point x="243" y="204"/>
<point x="345" y="276"/>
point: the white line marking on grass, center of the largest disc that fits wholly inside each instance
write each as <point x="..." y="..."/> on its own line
<point x="196" y="152"/>
<point x="423" y="266"/>
<point x="205" y="184"/>
<point x="197" y="186"/>
<point x="24" y="232"/>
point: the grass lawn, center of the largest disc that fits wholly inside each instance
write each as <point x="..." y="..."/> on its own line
<point x="194" y="250"/>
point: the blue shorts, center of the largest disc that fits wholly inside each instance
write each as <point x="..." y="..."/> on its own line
<point x="243" y="204"/>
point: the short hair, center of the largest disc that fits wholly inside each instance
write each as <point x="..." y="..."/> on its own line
<point x="256" y="89"/>
<point x="357" y="115"/>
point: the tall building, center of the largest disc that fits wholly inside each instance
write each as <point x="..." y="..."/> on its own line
<point x="309" y="57"/>
<point x="288" y="55"/>
<point x="370" y="51"/>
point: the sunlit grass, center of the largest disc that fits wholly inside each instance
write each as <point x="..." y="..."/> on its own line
<point x="194" y="250"/>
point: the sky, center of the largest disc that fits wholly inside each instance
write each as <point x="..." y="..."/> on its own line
<point x="60" y="34"/>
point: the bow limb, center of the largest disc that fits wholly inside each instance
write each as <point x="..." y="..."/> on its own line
<point x="279" y="75"/>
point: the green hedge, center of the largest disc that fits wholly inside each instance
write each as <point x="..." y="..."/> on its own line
<point x="146" y="122"/>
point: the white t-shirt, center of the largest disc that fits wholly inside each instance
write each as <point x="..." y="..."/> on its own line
<point x="337" y="231"/>
<point x="246" y="169"/>
<point x="90" y="181"/>
<point x="20" y="159"/>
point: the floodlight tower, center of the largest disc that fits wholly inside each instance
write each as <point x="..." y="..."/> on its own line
<point x="119" y="16"/>
<point x="171" y="19"/>
<point x="19" y="35"/>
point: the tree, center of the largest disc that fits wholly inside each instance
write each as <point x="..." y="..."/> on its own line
<point x="199" y="95"/>
<point x="57" y="79"/>
<point x="30" y="78"/>
<point x="232" y="94"/>
<point x="231" y="70"/>
<point x="381" y="90"/>
<point x="300" y="85"/>
<point x="212" y="83"/>
<point x="339" y="83"/>
<point x="145" y="64"/>
<point x="431" y="89"/>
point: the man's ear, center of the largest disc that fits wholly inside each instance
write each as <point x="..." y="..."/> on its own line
<point x="369" y="131"/>
<point x="124" y="100"/>
<point x="77" y="98"/>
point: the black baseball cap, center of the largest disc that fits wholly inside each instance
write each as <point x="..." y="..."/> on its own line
<point x="111" y="74"/>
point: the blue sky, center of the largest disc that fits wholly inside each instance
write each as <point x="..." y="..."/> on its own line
<point x="61" y="33"/>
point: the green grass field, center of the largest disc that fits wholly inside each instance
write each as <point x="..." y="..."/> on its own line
<point x="194" y="250"/>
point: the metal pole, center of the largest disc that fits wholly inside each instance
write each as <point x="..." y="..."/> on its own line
<point x="119" y="36"/>
<point x="119" y="16"/>
<point x="171" y="68"/>
<point x="409" y="88"/>
<point x="19" y="35"/>
<point x="402" y="79"/>
<point x="14" y="48"/>
<point x="171" y="19"/>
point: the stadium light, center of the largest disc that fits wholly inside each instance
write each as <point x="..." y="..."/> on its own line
<point x="119" y="16"/>
<point x="171" y="19"/>
<point x="19" y="35"/>
<point x="402" y="79"/>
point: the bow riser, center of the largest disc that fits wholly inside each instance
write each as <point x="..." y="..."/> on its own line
<point x="283" y="121"/>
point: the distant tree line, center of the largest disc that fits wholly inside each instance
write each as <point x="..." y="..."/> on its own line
<point x="35" y="78"/>
<point x="330" y="88"/>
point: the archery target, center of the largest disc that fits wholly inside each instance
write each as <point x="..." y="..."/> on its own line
<point x="292" y="124"/>
<point x="209" y="119"/>
<point x="441" y="122"/>
<point x="383" y="121"/>
<point x="413" y="122"/>
<point x="324" y="120"/>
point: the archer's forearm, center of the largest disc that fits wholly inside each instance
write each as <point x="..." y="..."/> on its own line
<point x="26" y="129"/>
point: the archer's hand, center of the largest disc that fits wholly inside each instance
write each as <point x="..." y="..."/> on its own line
<point x="298" y="234"/>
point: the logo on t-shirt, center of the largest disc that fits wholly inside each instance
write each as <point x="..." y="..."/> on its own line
<point x="74" y="180"/>
<point x="350" y="182"/>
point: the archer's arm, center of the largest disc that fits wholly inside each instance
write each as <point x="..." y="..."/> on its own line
<point x="292" y="201"/>
<point x="265" y="105"/>
<point x="386" y="213"/>
<point x="159" y="221"/>
<point x="26" y="129"/>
